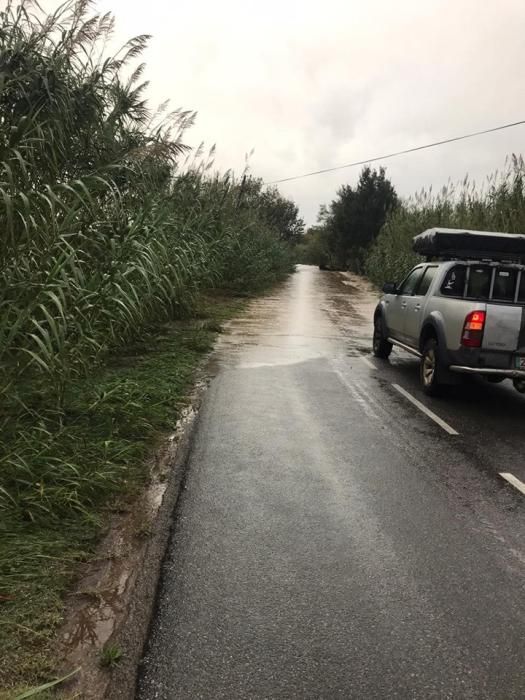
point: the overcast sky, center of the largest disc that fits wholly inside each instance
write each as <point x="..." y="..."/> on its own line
<point x="310" y="85"/>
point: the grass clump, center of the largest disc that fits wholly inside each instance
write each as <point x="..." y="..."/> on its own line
<point x="110" y="655"/>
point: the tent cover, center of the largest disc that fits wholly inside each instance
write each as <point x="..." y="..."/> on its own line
<point x="462" y="243"/>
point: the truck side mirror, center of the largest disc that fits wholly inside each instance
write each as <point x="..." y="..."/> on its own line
<point x="390" y="288"/>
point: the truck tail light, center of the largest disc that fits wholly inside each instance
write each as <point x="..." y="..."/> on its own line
<point x="473" y="329"/>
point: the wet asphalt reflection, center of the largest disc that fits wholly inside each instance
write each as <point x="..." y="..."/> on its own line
<point x="333" y="540"/>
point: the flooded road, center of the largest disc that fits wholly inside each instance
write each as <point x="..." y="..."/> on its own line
<point x="335" y="540"/>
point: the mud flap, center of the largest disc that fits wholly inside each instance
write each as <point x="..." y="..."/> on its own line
<point x="450" y="378"/>
<point x="519" y="385"/>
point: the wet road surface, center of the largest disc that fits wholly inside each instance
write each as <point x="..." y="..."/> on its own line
<point x="333" y="540"/>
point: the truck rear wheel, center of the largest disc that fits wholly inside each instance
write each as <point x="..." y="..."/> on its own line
<point x="431" y="368"/>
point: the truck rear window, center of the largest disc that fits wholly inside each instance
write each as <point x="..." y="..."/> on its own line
<point x="504" y="284"/>
<point x="485" y="282"/>
<point x="454" y="282"/>
<point x="478" y="286"/>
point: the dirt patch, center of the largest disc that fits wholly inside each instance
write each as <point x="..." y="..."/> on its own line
<point x="350" y="304"/>
<point x="364" y="295"/>
<point x="113" y="600"/>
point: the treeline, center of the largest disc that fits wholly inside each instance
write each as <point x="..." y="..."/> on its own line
<point x="496" y="205"/>
<point x="349" y="225"/>
<point x="369" y="229"/>
<point x="109" y="226"/>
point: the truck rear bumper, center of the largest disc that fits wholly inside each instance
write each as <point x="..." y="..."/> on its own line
<point x="489" y="372"/>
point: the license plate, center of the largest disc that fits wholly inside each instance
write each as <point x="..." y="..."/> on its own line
<point x="519" y="362"/>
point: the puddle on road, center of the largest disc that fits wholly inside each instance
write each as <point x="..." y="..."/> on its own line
<point x="312" y="315"/>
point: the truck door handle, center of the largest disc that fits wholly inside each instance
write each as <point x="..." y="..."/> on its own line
<point x="417" y="307"/>
<point x="404" y="305"/>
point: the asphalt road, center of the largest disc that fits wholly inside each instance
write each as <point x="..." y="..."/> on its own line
<point x="333" y="540"/>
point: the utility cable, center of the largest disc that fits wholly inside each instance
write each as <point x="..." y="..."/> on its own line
<point x="398" y="153"/>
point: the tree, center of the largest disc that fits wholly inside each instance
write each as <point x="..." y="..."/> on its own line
<point x="312" y="249"/>
<point x="275" y="210"/>
<point x="283" y="215"/>
<point x="353" y="220"/>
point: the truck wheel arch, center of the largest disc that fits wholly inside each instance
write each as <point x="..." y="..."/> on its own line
<point x="428" y="331"/>
<point x="433" y="328"/>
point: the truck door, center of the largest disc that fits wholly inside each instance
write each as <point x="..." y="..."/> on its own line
<point x="397" y="304"/>
<point x="415" y="304"/>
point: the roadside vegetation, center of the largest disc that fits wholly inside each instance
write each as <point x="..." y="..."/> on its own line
<point x="369" y="229"/>
<point x="113" y="234"/>
<point x="497" y="205"/>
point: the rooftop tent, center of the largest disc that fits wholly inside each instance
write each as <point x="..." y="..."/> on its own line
<point x="463" y="243"/>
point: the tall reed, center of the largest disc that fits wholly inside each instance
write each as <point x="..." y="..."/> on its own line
<point x="107" y="228"/>
<point x="497" y="205"/>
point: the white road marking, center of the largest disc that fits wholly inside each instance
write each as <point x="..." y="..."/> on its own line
<point x="514" y="481"/>
<point x="426" y="410"/>
<point x="367" y="362"/>
<point x="361" y="399"/>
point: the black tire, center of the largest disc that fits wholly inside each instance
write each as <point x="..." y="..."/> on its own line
<point x="380" y="345"/>
<point x="431" y="368"/>
<point x="494" y="380"/>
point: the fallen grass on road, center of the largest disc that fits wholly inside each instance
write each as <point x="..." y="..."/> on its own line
<point x="112" y="421"/>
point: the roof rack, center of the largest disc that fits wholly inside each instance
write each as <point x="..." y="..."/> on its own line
<point x="465" y="244"/>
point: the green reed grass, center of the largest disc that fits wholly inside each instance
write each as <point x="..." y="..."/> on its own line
<point x="498" y="204"/>
<point x="104" y="233"/>
<point x="110" y="230"/>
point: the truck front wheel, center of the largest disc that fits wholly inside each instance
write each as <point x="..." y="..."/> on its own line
<point x="381" y="347"/>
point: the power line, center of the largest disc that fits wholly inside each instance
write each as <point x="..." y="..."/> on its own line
<point x="397" y="153"/>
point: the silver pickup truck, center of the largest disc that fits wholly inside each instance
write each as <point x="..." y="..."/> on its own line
<point x="461" y="312"/>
